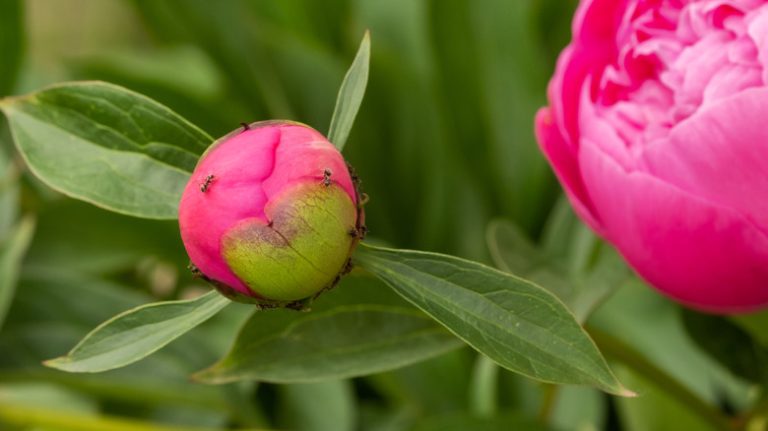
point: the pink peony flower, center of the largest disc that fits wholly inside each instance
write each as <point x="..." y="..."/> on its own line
<point x="658" y="131"/>
<point x="270" y="212"/>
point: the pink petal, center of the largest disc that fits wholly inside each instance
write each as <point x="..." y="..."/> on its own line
<point x="721" y="155"/>
<point x="563" y="160"/>
<point x="694" y="250"/>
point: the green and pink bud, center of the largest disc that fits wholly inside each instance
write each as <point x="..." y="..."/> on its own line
<point x="271" y="213"/>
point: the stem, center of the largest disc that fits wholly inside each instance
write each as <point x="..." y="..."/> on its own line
<point x="483" y="389"/>
<point x="635" y="360"/>
<point x="548" y="402"/>
<point x="28" y="416"/>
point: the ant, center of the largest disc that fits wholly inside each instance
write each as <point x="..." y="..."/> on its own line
<point x="327" y="177"/>
<point x="207" y="183"/>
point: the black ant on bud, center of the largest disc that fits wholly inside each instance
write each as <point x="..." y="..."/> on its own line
<point x="327" y="177"/>
<point x="207" y="183"/>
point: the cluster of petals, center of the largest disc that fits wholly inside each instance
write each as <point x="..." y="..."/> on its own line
<point x="657" y="129"/>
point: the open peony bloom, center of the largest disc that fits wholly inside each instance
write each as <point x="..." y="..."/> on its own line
<point x="658" y="131"/>
<point x="270" y="214"/>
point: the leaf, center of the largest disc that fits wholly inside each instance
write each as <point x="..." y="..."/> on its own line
<point x="281" y="346"/>
<point x="137" y="333"/>
<point x="517" y="324"/>
<point x="11" y="43"/>
<point x="728" y="344"/>
<point x="321" y="406"/>
<point x="107" y="145"/>
<point x="71" y="235"/>
<point x="11" y="253"/>
<point x="591" y="273"/>
<point x="461" y="421"/>
<point x="350" y="95"/>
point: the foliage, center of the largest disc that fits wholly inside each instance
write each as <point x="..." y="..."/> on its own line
<point x="444" y="145"/>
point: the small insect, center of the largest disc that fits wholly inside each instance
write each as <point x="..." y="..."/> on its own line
<point x="207" y="183"/>
<point x="327" y="177"/>
<point x="364" y="198"/>
<point x="353" y="233"/>
<point x="196" y="273"/>
<point x="245" y="126"/>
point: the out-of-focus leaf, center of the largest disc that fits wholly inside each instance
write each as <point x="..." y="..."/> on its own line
<point x="137" y="333"/>
<point x="155" y="73"/>
<point x="519" y="325"/>
<point x="756" y="324"/>
<point x="106" y="145"/>
<point x="72" y="236"/>
<point x="465" y="422"/>
<point x="729" y="344"/>
<point x="513" y="82"/>
<point x="53" y="308"/>
<point x="11" y="43"/>
<point x="227" y="32"/>
<point x="9" y="183"/>
<point x="580" y="409"/>
<point x="344" y="341"/>
<point x="319" y="406"/>
<point x="12" y="251"/>
<point x="591" y="273"/>
<point x="46" y="395"/>
<point x="654" y="410"/>
<point x="651" y="324"/>
<point x="350" y="95"/>
<point x="483" y="396"/>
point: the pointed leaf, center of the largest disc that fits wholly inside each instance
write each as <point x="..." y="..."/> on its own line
<point x="519" y="325"/>
<point x="281" y="346"/>
<point x="350" y="95"/>
<point x="106" y="145"/>
<point x="137" y="333"/>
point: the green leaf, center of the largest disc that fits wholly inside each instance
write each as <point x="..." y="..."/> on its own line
<point x="517" y="324"/>
<point x="11" y="253"/>
<point x="588" y="276"/>
<point x="321" y="406"/>
<point x="107" y="145"/>
<point x="137" y="333"/>
<point x="281" y="346"/>
<point x="729" y="344"/>
<point x="465" y="421"/>
<point x="11" y="43"/>
<point x="350" y="95"/>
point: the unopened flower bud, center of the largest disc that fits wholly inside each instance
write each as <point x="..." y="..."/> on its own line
<point x="271" y="213"/>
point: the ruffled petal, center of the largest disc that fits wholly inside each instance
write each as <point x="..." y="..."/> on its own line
<point x="721" y="155"/>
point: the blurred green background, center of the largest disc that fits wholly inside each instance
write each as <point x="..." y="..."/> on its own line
<point x="444" y="144"/>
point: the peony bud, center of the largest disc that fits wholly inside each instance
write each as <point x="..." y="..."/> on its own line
<point x="271" y="214"/>
<point x="656" y="130"/>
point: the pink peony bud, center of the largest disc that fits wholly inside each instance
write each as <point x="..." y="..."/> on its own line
<point x="270" y="214"/>
<point x="657" y="131"/>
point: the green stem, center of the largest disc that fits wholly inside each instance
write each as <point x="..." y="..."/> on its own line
<point x="622" y="352"/>
<point x="548" y="403"/>
<point x="27" y="417"/>
<point x="483" y="390"/>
